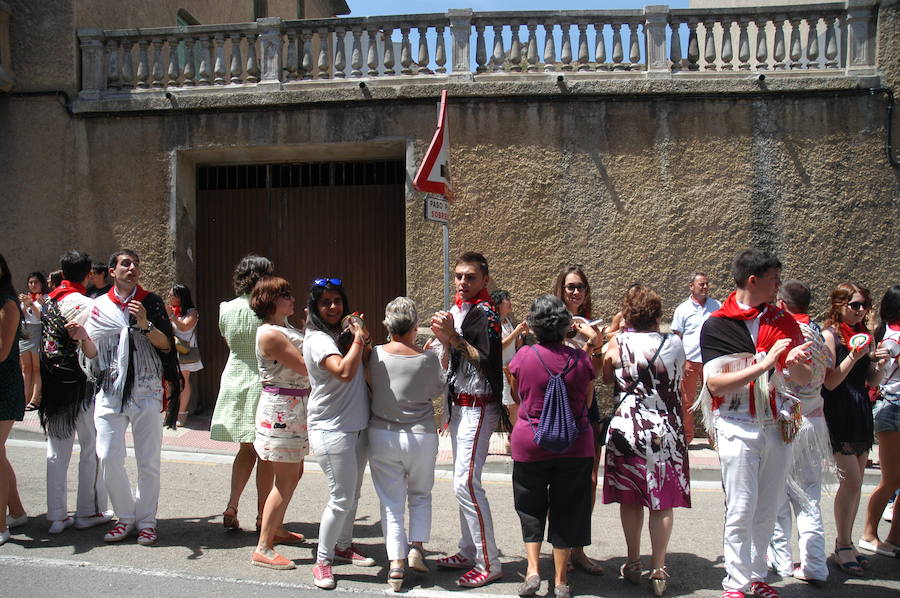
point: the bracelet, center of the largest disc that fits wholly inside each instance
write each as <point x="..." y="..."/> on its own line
<point x="357" y="341"/>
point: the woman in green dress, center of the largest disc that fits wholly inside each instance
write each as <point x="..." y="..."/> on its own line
<point x="235" y="414"/>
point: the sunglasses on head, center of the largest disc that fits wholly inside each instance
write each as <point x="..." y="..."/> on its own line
<point x="857" y="305"/>
<point x="322" y="282"/>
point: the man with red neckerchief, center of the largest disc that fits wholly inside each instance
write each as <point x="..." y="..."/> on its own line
<point x="470" y="334"/>
<point x="749" y="347"/>
<point x="130" y="344"/>
<point x="67" y="407"/>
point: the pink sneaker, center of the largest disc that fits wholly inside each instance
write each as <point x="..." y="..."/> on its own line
<point x="761" y="589"/>
<point x="732" y="594"/>
<point x="477" y="577"/>
<point x="322" y="575"/>
<point x="455" y="561"/>
<point x="352" y="554"/>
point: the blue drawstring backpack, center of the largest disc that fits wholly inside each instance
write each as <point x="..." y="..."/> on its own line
<point x="556" y="429"/>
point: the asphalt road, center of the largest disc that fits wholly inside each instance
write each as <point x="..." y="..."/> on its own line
<point x="194" y="557"/>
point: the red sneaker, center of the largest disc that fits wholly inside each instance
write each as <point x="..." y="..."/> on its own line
<point x="352" y="554"/>
<point x="476" y="577"/>
<point x="732" y="594"/>
<point x="322" y="575"/>
<point x="455" y="561"/>
<point x="761" y="589"/>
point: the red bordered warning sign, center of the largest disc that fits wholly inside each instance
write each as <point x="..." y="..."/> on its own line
<point x="433" y="175"/>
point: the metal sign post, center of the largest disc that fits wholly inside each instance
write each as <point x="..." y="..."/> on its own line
<point x="433" y="176"/>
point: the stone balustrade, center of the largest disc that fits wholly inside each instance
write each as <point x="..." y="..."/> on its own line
<point x="836" y="38"/>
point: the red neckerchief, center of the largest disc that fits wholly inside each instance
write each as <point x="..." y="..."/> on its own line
<point x="67" y="288"/>
<point x="802" y="318"/>
<point x="35" y="296"/>
<point x="894" y="325"/>
<point x="139" y="295"/>
<point x="481" y="297"/>
<point x="731" y="309"/>
<point x="848" y="331"/>
<point x="176" y="311"/>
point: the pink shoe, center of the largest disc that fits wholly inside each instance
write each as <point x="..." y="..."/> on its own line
<point x="352" y="554"/>
<point x="732" y="594"/>
<point x="476" y="577"/>
<point x="761" y="589"/>
<point x="456" y="561"/>
<point x="322" y="575"/>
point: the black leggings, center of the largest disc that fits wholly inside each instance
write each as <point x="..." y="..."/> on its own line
<point x="561" y="486"/>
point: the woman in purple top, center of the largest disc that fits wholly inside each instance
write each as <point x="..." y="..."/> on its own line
<point x="548" y="484"/>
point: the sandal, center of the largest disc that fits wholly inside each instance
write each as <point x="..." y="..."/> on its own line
<point x="588" y="565"/>
<point x="849" y="567"/>
<point x="395" y="578"/>
<point x="229" y="518"/>
<point x="32" y="406"/>
<point x="632" y="571"/>
<point x="416" y="559"/>
<point x="659" y="580"/>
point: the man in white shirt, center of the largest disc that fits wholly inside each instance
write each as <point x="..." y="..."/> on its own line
<point x="686" y="323"/>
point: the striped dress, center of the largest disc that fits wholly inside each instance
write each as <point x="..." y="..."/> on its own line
<point x="235" y="415"/>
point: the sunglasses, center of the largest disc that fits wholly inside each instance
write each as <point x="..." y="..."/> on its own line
<point x="575" y="287"/>
<point x="857" y="305"/>
<point x="322" y="282"/>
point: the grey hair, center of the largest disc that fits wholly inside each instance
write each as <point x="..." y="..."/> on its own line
<point x="549" y="319"/>
<point x="400" y="316"/>
<point x="697" y="275"/>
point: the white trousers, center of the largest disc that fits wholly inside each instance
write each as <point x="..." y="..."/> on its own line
<point x="131" y="506"/>
<point x="807" y="468"/>
<point x="92" y="497"/>
<point x="342" y="457"/>
<point x="470" y="434"/>
<point x="402" y="466"/>
<point x="754" y="462"/>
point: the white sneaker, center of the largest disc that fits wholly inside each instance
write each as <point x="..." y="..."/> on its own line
<point x="119" y="532"/>
<point x="16" y="521"/>
<point x="93" y="520"/>
<point x="888" y="514"/>
<point x="57" y="527"/>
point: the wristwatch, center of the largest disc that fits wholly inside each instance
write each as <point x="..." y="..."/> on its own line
<point x="147" y="330"/>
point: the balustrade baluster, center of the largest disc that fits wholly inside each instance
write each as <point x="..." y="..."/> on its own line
<point x="219" y="67"/>
<point x="583" y="56"/>
<point x="675" y="46"/>
<point x="499" y="56"/>
<point x="252" y="63"/>
<point x="424" y="58"/>
<point x="323" y="63"/>
<point x="480" y="50"/>
<point x="156" y="72"/>
<point x="762" y="45"/>
<point x="356" y="54"/>
<point x="204" y="61"/>
<point x="796" y="51"/>
<point x="306" y="62"/>
<point x="236" y="68"/>
<point x="617" y="55"/>
<point x="173" y="71"/>
<point x="727" y="51"/>
<point x="744" y="44"/>
<point x="600" y="48"/>
<point x="143" y="70"/>
<point x="812" y="43"/>
<point x="709" y="45"/>
<point x="549" y="48"/>
<point x="532" y="55"/>
<point x="340" y="58"/>
<point x="291" y="60"/>
<point x="127" y="79"/>
<point x="635" y="53"/>
<point x="693" y="50"/>
<point x="112" y="64"/>
<point x="388" y="51"/>
<point x="440" y="51"/>
<point x="405" y="52"/>
<point x="372" y="53"/>
<point x="565" y="54"/>
<point x="515" y="49"/>
<point x="831" y="49"/>
<point x="779" y="53"/>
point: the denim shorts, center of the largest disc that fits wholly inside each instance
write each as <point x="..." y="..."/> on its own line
<point x="887" y="416"/>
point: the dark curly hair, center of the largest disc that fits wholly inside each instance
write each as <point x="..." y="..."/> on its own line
<point x="248" y="271"/>
<point x="549" y="319"/>
<point x="642" y="308"/>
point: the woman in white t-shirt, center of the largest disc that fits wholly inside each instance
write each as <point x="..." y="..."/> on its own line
<point x="337" y="416"/>
<point x="184" y="317"/>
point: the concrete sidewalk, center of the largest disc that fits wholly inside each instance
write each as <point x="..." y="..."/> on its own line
<point x="194" y="438"/>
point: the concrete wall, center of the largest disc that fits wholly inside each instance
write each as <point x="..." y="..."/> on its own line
<point x="634" y="187"/>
